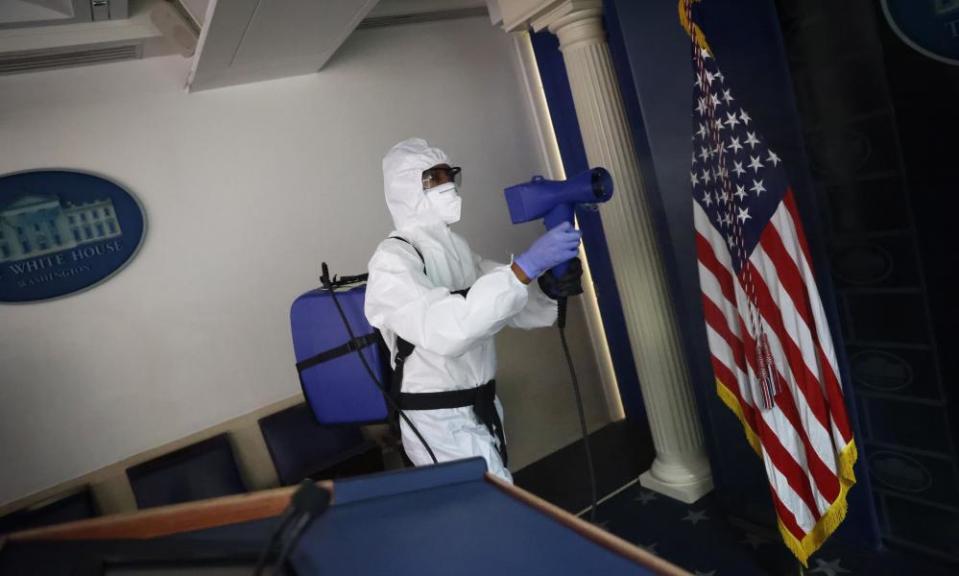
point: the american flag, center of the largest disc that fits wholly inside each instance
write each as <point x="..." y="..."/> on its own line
<point x="771" y="349"/>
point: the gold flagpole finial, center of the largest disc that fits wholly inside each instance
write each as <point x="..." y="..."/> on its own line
<point x="691" y="28"/>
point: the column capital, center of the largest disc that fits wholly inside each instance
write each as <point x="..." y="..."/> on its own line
<point x="540" y="14"/>
<point x="578" y="27"/>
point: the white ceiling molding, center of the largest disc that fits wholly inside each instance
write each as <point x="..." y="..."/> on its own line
<point x="197" y="9"/>
<point x="417" y="17"/>
<point x="393" y="8"/>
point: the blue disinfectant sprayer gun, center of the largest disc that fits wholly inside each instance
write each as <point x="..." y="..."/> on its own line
<point x="555" y="200"/>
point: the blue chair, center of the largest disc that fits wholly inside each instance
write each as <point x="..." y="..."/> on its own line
<point x="77" y="505"/>
<point x="204" y="470"/>
<point x="300" y="448"/>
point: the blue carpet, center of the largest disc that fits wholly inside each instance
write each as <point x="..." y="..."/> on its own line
<point x="698" y="538"/>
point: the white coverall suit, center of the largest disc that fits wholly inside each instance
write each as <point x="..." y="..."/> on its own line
<point x="453" y="335"/>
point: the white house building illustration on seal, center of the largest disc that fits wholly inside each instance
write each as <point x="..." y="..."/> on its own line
<point x="35" y="225"/>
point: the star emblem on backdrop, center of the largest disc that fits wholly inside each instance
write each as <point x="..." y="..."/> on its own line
<point x="754" y="540"/>
<point x="695" y="516"/>
<point x="645" y="497"/>
<point x="830" y="568"/>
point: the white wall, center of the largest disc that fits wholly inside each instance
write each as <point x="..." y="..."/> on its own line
<point x="246" y="190"/>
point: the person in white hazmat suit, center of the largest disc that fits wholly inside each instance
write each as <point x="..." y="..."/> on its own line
<point x="417" y="297"/>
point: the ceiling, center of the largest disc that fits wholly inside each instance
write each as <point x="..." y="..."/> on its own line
<point x="240" y="41"/>
<point x="254" y="40"/>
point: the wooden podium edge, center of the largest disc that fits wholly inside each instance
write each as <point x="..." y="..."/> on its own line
<point x="598" y="535"/>
<point x="191" y="516"/>
<point x="167" y="520"/>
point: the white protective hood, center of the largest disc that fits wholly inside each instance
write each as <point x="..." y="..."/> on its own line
<point x="403" y="167"/>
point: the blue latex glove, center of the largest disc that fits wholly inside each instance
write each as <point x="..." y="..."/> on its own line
<point x="554" y="247"/>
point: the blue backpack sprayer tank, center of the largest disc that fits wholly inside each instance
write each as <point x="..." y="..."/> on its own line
<point x="555" y="201"/>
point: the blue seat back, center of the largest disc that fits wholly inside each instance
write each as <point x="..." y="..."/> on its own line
<point x="204" y="470"/>
<point x="301" y="448"/>
<point x="76" y="506"/>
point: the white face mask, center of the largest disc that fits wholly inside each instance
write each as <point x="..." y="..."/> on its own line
<point x="446" y="202"/>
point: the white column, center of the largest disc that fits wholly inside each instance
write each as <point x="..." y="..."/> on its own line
<point x="681" y="469"/>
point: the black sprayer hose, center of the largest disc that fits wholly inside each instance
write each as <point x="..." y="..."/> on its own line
<point x="288" y="517"/>
<point x="376" y="380"/>
<point x="291" y="541"/>
<point x="561" y="323"/>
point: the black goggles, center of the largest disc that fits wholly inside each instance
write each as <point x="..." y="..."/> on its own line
<point x="441" y="175"/>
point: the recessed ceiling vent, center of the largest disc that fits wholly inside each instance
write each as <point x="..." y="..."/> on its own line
<point x="17" y="62"/>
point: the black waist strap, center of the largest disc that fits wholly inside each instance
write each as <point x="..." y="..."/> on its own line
<point x="482" y="399"/>
<point x="357" y="343"/>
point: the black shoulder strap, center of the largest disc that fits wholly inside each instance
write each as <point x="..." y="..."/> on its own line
<point x="462" y="292"/>
<point x="405" y="349"/>
<point x="418" y="253"/>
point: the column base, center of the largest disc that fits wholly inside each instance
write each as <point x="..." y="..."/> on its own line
<point x="687" y="493"/>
